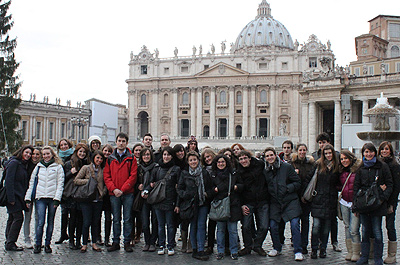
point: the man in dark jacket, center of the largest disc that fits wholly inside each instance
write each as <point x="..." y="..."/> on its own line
<point x="120" y="175"/>
<point x="283" y="183"/>
<point x="164" y="142"/>
<point x="255" y="202"/>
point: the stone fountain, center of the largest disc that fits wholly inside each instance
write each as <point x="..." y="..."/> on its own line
<point x="379" y="116"/>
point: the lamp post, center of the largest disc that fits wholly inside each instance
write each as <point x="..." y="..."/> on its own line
<point x="80" y="122"/>
<point x="4" y="132"/>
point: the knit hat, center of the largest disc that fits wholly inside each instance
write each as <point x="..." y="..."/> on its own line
<point x="92" y="138"/>
<point x="192" y="139"/>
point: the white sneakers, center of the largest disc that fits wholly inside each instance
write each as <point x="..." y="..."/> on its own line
<point x="171" y="251"/>
<point x="298" y="256"/>
<point x="161" y="251"/>
<point x="274" y="253"/>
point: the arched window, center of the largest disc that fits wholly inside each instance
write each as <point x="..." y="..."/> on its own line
<point x="263" y="96"/>
<point x="207" y="98"/>
<point x="206" y="131"/>
<point x="185" y="98"/>
<point x="395" y="51"/>
<point x="166" y="99"/>
<point x="239" y="97"/>
<point x="238" y="131"/>
<point x="143" y="100"/>
<point x="284" y="96"/>
<point x="222" y="97"/>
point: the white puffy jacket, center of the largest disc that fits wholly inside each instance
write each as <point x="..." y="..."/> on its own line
<point x="50" y="182"/>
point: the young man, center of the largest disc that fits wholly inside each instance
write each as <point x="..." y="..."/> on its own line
<point x="287" y="147"/>
<point x="120" y="178"/>
<point x="255" y="202"/>
<point x="164" y="142"/>
<point x="283" y="183"/>
<point x="148" y="141"/>
<point x="322" y="140"/>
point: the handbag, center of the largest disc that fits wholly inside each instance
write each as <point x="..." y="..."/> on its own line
<point x="186" y="210"/>
<point x="221" y="209"/>
<point x="87" y="192"/>
<point x="367" y="200"/>
<point x="339" y="209"/>
<point x="137" y="203"/>
<point x="3" y="192"/>
<point x="310" y="191"/>
<point x="158" y="194"/>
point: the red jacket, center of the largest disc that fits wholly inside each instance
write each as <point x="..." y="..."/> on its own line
<point x="120" y="172"/>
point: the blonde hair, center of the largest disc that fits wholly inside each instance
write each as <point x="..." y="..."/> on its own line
<point x="57" y="159"/>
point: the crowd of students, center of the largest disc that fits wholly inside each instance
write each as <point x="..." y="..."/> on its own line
<point x="264" y="192"/>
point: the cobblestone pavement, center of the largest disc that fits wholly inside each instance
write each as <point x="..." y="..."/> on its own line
<point x="63" y="255"/>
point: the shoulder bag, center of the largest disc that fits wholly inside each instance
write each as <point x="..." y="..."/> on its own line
<point x="158" y="194"/>
<point x="367" y="200"/>
<point x="339" y="209"/>
<point x="310" y="191"/>
<point x="221" y="209"/>
<point x="87" y="192"/>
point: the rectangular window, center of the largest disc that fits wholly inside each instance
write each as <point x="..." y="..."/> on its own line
<point x="238" y="111"/>
<point x="394" y="30"/>
<point x="206" y="111"/>
<point x="357" y="71"/>
<point x="62" y="130"/>
<point x="239" y="66"/>
<point x="73" y="131"/>
<point x="38" y="130"/>
<point x="284" y="65"/>
<point x="184" y="112"/>
<point x="263" y="66"/>
<point x="143" y="69"/>
<point x="263" y="111"/>
<point x="184" y="69"/>
<point x="206" y="66"/>
<point x="313" y="62"/>
<point x="51" y="131"/>
<point x="386" y="68"/>
<point x="371" y="70"/>
<point x="24" y="130"/>
<point x="398" y="67"/>
<point x="166" y="70"/>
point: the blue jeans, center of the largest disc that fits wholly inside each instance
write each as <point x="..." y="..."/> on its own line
<point x="261" y="214"/>
<point x="305" y="223"/>
<point x="41" y="206"/>
<point x="390" y="226"/>
<point x="91" y="212"/>
<point x="320" y="233"/>
<point x="233" y="236"/>
<point x="166" y="217"/>
<point x="296" y="236"/>
<point x="149" y="217"/>
<point x="125" y="201"/>
<point x="351" y="224"/>
<point x="372" y="228"/>
<point x="198" y="228"/>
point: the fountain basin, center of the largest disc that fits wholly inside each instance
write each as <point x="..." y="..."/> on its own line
<point x="379" y="135"/>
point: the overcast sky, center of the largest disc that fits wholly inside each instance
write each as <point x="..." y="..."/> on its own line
<point x="80" y="49"/>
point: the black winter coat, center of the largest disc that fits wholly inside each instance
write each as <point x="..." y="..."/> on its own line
<point x="16" y="183"/>
<point x="159" y="173"/>
<point x="324" y="203"/>
<point x="305" y="166"/>
<point x="395" y="170"/>
<point x="221" y="182"/>
<point x="255" y="188"/>
<point x="187" y="188"/>
<point x="283" y="184"/>
<point x="365" y="177"/>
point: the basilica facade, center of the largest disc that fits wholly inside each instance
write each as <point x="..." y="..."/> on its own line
<point x="250" y="90"/>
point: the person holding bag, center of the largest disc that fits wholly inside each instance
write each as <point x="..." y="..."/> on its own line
<point x="372" y="172"/>
<point x="226" y="183"/>
<point x="348" y="168"/>
<point x="195" y="191"/>
<point x="49" y="189"/>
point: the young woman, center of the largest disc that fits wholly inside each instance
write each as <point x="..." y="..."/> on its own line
<point x="136" y="215"/>
<point x="107" y="151"/>
<point x="386" y="153"/>
<point x="16" y="183"/>
<point x="348" y="168"/>
<point x="79" y="158"/>
<point x="48" y="178"/>
<point x="195" y="189"/>
<point x="236" y="148"/>
<point x="222" y="171"/>
<point x="192" y="145"/>
<point x="36" y="157"/>
<point x="303" y="165"/>
<point x="94" y="143"/>
<point x="229" y="153"/>
<point x="166" y="208"/>
<point x="324" y="203"/>
<point x="91" y="210"/>
<point x="180" y="156"/>
<point x="65" y="150"/>
<point x="145" y="168"/>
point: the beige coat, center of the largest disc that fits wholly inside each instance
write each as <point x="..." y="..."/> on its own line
<point x="88" y="171"/>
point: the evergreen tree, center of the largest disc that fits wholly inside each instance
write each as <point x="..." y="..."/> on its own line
<point x="10" y="139"/>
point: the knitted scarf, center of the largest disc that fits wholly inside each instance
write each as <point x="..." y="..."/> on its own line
<point x="198" y="174"/>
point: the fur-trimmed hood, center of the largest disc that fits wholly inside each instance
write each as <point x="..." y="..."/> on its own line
<point x="308" y="159"/>
<point x="354" y="167"/>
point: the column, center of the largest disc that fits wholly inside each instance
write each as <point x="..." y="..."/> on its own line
<point x="273" y="111"/>
<point x="231" y="121"/>
<point x="45" y="130"/>
<point x="155" y="121"/>
<point x="312" y="126"/>
<point x="295" y="110"/>
<point x="199" y="122"/>
<point x="174" y="124"/>
<point x="365" y="119"/>
<point x="304" y="123"/>
<point x="132" y="131"/>
<point x="212" y="112"/>
<point x="253" y="105"/>
<point x="338" y="126"/>
<point x="245" y="118"/>
<point x="193" y="110"/>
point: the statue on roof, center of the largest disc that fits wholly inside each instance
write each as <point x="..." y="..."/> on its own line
<point x="223" y="46"/>
<point x="194" y="50"/>
<point x="176" y="52"/>
<point x="213" y="48"/>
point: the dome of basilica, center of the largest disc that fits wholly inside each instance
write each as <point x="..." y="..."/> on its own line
<point x="264" y="31"/>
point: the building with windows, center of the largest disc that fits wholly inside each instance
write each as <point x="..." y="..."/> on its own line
<point x="250" y="91"/>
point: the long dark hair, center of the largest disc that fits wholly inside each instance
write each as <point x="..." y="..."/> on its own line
<point x="227" y="161"/>
<point x="322" y="167"/>
<point x="76" y="161"/>
<point x="19" y="152"/>
<point x="350" y="156"/>
<point x="142" y="152"/>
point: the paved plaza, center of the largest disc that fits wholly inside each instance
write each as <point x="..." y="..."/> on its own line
<point x="63" y="255"/>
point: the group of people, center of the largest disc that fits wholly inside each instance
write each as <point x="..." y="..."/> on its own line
<point x="157" y="192"/>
